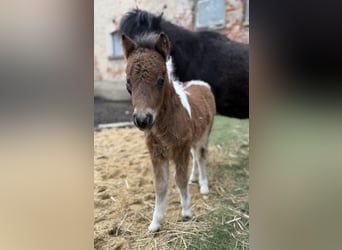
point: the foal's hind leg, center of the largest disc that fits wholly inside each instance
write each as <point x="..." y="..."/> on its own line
<point x="182" y="179"/>
<point x="201" y="153"/>
<point x="194" y="171"/>
<point x="202" y="161"/>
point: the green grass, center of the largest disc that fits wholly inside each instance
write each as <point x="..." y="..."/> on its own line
<point x="229" y="222"/>
<point x="227" y="130"/>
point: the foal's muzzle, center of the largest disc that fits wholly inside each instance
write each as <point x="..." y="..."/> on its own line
<point x="143" y="120"/>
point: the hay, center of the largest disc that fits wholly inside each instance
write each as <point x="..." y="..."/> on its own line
<point x="124" y="196"/>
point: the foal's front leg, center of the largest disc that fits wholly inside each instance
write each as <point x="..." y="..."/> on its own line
<point x="161" y="175"/>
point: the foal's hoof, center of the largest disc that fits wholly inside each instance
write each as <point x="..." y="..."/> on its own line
<point x="186" y="218"/>
<point x="206" y="197"/>
<point x="154" y="227"/>
<point x="204" y="190"/>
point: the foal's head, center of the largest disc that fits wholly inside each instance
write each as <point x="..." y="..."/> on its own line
<point x="146" y="75"/>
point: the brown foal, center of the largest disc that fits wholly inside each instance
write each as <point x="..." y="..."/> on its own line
<point x="176" y="118"/>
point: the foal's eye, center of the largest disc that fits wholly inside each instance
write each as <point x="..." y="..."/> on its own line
<point x="129" y="86"/>
<point x="160" y="82"/>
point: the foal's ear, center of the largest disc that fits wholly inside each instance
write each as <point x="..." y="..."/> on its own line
<point x="128" y="45"/>
<point x="162" y="45"/>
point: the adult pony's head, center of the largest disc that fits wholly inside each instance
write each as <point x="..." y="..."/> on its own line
<point x="139" y="21"/>
<point x="146" y="75"/>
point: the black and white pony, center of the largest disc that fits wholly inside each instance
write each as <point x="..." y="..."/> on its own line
<point x="202" y="55"/>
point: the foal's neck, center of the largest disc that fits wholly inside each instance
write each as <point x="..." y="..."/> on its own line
<point x="172" y="106"/>
<point x="172" y="117"/>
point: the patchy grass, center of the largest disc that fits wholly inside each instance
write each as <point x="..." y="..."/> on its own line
<point x="226" y="131"/>
<point x="124" y="195"/>
<point x="229" y="222"/>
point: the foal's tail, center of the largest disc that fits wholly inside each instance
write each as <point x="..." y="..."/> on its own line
<point x="138" y="22"/>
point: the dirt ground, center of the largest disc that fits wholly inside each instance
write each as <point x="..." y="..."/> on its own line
<point x="124" y="194"/>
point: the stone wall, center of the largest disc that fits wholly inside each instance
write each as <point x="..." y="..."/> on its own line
<point x="236" y="28"/>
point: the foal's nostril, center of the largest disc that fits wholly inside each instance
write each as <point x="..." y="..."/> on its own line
<point x="149" y="118"/>
<point x="135" y="120"/>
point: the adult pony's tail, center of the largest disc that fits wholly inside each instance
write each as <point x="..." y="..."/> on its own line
<point x="138" y="21"/>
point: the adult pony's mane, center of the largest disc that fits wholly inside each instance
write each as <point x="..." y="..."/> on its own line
<point x="138" y="21"/>
<point x="201" y="55"/>
<point x="146" y="40"/>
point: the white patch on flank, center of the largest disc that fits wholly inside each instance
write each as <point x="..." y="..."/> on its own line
<point x="182" y="95"/>
<point x="198" y="83"/>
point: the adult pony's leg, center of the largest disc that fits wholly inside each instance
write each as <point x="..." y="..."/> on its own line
<point x="161" y="174"/>
<point x="194" y="171"/>
<point x="182" y="179"/>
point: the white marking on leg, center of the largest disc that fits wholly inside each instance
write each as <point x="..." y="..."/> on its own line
<point x="194" y="171"/>
<point x="185" y="202"/>
<point x="202" y="161"/>
<point x="203" y="180"/>
<point x="185" y="197"/>
<point x="161" y="186"/>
